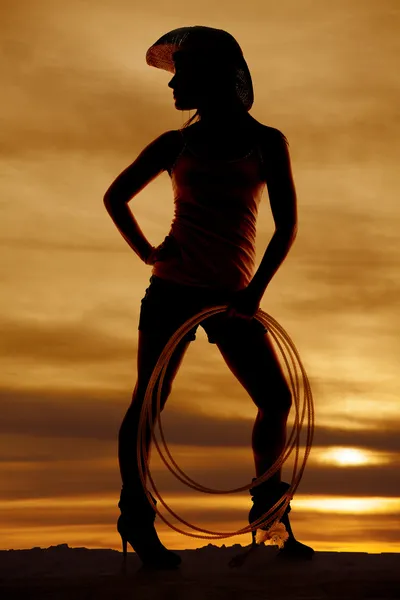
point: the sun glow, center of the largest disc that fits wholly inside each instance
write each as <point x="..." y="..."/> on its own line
<point x="350" y="457"/>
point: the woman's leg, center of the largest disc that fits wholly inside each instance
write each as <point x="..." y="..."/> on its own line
<point x="252" y="359"/>
<point x="151" y="344"/>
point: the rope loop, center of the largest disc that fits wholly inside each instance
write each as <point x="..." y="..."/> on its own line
<point x="298" y="381"/>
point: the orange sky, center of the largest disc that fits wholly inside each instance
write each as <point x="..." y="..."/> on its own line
<point x="78" y="104"/>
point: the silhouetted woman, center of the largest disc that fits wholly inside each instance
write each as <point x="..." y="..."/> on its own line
<point x="219" y="166"/>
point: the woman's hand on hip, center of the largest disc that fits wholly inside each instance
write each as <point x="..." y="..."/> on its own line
<point x="165" y="250"/>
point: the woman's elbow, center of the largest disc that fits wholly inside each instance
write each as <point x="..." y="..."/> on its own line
<point x="108" y="204"/>
<point x="111" y="198"/>
<point x="108" y="195"/>
<point x="288" y="230"/>
<point x="111" y="203"/>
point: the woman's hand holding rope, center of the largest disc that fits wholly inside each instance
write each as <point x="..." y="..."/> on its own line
<point x="243" y="305"/>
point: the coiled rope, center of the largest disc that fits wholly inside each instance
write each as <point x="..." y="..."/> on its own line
<point x="294" y="368"/>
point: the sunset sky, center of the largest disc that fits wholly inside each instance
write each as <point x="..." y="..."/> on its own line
<point x="79" y="103"/>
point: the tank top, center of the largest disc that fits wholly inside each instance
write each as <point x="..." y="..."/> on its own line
<point x="213" y="231"/>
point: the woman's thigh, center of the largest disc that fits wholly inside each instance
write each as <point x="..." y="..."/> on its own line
<point x="250" y="355"/>
<point x="164" y="308"/>
<point x="218" y="325"/>
<point x="162" y="312"/>
<point x="150" y="348"/>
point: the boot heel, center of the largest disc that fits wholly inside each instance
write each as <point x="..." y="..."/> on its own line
<point x="146" y="543"/>
<point x="124" y="554"/>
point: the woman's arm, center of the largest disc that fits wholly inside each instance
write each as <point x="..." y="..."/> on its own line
<point x="283" y="200"/>
<point x="154" y="159"/>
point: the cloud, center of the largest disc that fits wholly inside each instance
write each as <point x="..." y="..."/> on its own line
<point x="62" y="343"/>
<point x="214" y="467"/>
<point x="63" y="94"/>
<point x="90" y="417"/>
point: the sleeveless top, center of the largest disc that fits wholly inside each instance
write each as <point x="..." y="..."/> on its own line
<point x="213" y="232"/>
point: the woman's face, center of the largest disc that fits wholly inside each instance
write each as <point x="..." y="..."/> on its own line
<point x="195" y="82"/>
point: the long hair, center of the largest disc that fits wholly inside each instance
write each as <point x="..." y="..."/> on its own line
<point x="197" y="115"/>
<point x="192" y="118"/>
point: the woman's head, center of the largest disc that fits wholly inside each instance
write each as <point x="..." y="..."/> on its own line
<point x="203" y="82"/>
<point x="210" y="72"/>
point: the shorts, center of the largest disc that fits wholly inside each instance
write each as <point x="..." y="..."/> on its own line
<point x="167" y="305"/>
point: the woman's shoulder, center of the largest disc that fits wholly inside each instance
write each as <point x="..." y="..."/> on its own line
<point x="273" y="144"/>
<point x="172" y="137"/>
<point x="269" y="134"/>
<point x="171" y="142"/>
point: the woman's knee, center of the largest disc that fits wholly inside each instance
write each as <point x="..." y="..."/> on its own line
<point x="278" y="398"/>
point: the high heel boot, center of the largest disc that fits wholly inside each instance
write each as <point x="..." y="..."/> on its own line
<point x="136" y="526"/>
<point x="264" y="497"/>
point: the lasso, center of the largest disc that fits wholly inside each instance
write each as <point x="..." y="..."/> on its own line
<point x="282" y="340"/>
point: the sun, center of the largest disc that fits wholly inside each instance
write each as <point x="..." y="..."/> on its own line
<point x="346" y="456"/>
